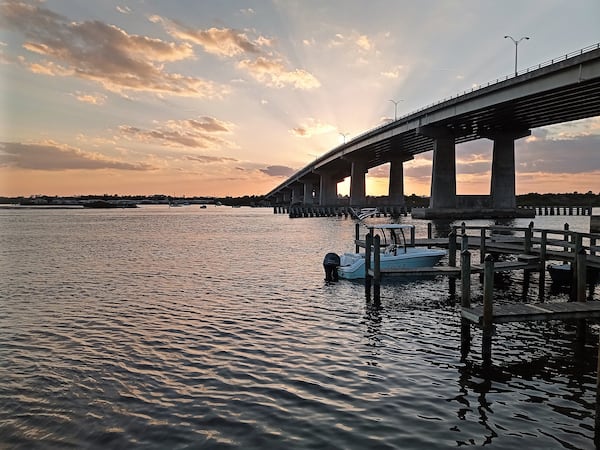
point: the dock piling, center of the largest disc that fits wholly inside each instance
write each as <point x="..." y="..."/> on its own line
<point x="597" y="418"/>
<point x="482" y="246"/>
<point x="488" y="297"/>
<point x="452" y="260"/>
<point x="542" y="269"/>
<point x="368" y="277"/>
<point x="464" y="244"/>
<point x="465" y="286"/>
<point x="376" y="267"/>
<point x="581" y="268"/>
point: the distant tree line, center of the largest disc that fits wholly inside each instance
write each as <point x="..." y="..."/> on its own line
<point x="567" y="199"/>
<point x="412" y="201"/>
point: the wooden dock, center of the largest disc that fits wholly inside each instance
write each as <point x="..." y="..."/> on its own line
<point x="526" y="249"/>
<point x="528" y="312"/>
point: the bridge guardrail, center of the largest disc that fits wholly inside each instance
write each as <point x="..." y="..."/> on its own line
<point x="572" y="54"/>
<point x="565" y="57"/>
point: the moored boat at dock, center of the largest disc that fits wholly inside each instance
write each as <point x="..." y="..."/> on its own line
<point x="562" y="274"/>
<point x="396" y="252"/>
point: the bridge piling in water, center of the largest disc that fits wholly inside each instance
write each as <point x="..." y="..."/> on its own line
<point x="438" y="128"/>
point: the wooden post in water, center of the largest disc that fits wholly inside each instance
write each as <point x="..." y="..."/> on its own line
<point x="597" y="421"/>
<point x="567" y="237"/>
<point x="578" y="240"/>
<point x="482" y="246"/>
<point x="368" y="244"/>
<point x="488" y="297"/>
<point x="452" y="260"/>
<point x="465" y="302"/>
<point x="452" y="248"/>
<point x="357" y="236"/>
<point x="580" y="274"/>
<point x="528" y="235"/>
<point x="581" y="268"/>
<point x="464" y="243"/>
<point x="542" y="280"/>
<point x="429" y="231"/>
<point x="376" y="267"/>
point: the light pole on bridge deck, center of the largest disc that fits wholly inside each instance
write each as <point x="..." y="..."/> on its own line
<point x="395" y="102"/>
<point x="516" y="42"/>
<point x="343" y="135"/>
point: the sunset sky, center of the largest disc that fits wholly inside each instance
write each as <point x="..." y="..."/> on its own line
<point x="219" y="98"/>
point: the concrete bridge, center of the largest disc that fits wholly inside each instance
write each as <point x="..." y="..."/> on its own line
<point x="561" y="90"/>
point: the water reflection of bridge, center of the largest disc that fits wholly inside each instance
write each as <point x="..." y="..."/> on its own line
<point x="561" y="90"/>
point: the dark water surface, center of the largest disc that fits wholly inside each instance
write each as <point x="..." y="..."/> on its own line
<point x="213" y="328"/>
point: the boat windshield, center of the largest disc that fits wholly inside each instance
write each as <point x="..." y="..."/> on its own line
<point x="391" y="235"/>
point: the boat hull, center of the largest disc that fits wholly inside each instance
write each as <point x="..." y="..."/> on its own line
<point x="353" y="264"/>
<point x="562" y="274"/>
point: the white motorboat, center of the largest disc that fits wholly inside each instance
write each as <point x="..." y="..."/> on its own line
<point x="395" y="252"/>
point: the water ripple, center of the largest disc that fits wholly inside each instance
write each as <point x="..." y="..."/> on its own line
<point x="126" y="329"/>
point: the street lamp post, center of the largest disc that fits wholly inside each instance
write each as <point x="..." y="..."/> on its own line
<point x="395" y="102"/>
<point x="343" y="135"/>
<point x="516" y="46"/>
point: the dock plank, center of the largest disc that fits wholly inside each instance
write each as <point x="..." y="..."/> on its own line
<point x="526" y="312"/>
<point x="504" y="266"/>
<point x="437" y="270"/>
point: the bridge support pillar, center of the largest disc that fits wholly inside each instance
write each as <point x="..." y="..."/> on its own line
<point x="296" y="192"/>
<point x="396" y="187"/>
<point x="502" y="189"/>
<point x="358" y="191"/>
<point x="286" y="196"/>
<point x="443" y="175"/>
<point x="308" y="193"/>
<point x="328" y="189"/>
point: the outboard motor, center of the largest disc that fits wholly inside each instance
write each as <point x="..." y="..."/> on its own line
<point x="330" y="263"/>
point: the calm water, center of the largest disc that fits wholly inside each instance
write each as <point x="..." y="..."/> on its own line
<point x="213" y="328"/>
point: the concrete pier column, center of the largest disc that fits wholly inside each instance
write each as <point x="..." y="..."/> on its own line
<point x="443" y="174"/>
<point x="328" y="189"/>
<point x="296" y="194"/>
<point x="396" y="187"/>
<point x="308" y="193"/>
<point x="286" y="196"/>
<point x="358" y="190"/>
<point x="502" y="189"/>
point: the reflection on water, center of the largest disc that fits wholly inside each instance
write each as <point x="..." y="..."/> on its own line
<point x="213" y="328"/>
<point x="441" y="228"/>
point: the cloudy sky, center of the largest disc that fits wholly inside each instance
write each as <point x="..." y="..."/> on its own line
<point x="187" y="97"/>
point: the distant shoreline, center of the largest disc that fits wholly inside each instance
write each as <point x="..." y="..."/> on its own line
<point x="575" y="199"/>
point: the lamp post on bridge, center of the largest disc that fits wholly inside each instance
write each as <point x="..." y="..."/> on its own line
<point x="516" y="42"/>
<point x="395" y="102"/>
<point x="343" y="135"/>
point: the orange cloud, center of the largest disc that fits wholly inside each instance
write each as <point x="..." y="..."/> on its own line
<point x="94" y="98"/>
<point x="195" y="133"/>
<point x="266" y="68"/>
<point x="274" y="74"/>
<point x="311" y="128"/>
<point x="102" y="53"/>
<point x="218" y="41"/>
<point x="51" y="157"/>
